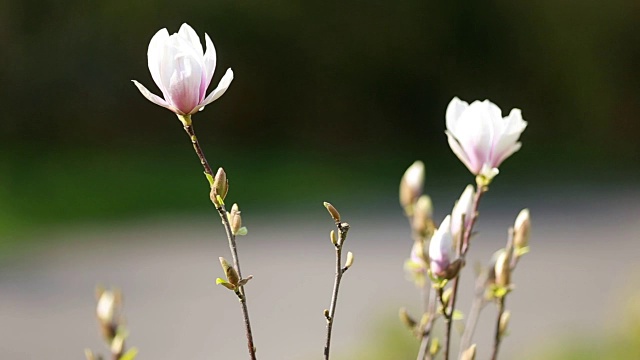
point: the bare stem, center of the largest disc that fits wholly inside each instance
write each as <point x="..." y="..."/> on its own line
<point x="426" y="333"/>
<point x="343" y="228"/>
<point x="474" y="313"/>
<point x="462" y="251"/>
<point x="498" y="334"/>
<point x="188" y="127"/>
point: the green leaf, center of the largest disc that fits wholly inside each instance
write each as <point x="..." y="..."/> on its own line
<point x="242" y="231"/>
<point x="521" y="251"/>
<point x="225" y="283"/>
<point x="209" y="178"/>
<point x="130" y="354"/>
<point x="458" y="315"/>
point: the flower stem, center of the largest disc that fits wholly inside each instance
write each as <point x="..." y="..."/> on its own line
<point x="498" y="334"/>
<point x="463" y="247"/>
<point x="188" y="128"/>
<point x="426" y="333"/>
<point x="343" y="228"/>
<point x="474" y="313"/>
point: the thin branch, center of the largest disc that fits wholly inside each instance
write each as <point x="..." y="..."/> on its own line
<point x="188" y="128"/>
<point x="343" y="228"/>
<point x="462" y="251"/>
<point x="426" y="333"/>
<point x="498" y="333"/>
<point x="474" y="313"/>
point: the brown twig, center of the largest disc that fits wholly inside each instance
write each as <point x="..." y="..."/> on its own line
<point x="343" y="228"/>
<point x="426" y="333"/>
<point x="474" y="313"/>
<point x="498" y="333"/>
<point x="188" y="128"/>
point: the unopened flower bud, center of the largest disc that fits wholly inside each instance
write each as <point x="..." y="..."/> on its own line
<point x="220" y="187"/>
<point x="469" y="354"/>
<point x="108" y="312"/>
<point x="463" y="210"/>
<point x="423" y="217"/>
<point x="504" y="322"/>
<point x="235" y="219"/>
<point x="441" y="249"/>
<point x="407" y="319"/>
<point x="411" y="186"/>
<point x="349" y="261"/>
<point x="502" y="269"/>
<point x="106" y="309"/>
<point x="332" y="211"/>
<point x="230" y="272"/>
<point x="522" y="229"/>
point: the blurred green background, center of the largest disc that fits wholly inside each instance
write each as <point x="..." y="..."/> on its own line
<point x="331" y="100"/>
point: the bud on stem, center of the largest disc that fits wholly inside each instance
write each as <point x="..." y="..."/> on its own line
<point x="332" y="210"/>
<point x="522" y="229"/>
<point x="230" y="272"/>
<point x="220" y="188"/>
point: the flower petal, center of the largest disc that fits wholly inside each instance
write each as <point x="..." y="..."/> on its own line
<point x="181" y="73"/>
<point x="475" y="132"/>
<point x="514" y="125"/>
<point x="153" y="97"/>
<point x="187" y="33"/>
<point x="457" y="149"/>
<point x="455" y="108"/>
<point x="154" y="56"/>
<point x="222" y="87"/>
<point x="209" y="61"/>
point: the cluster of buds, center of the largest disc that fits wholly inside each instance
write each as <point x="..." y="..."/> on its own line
<point x="418" y="209"/>
<point x="482" y="139"/>
<point x="505" y="260"/>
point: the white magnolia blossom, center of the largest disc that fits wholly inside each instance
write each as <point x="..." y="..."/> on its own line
<point x="441" y="251"/>
<point x="479" y="135"/>
<point x="183" y="71"/>
<point x="463" y="208"/>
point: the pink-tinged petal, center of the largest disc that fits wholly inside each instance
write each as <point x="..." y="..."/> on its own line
<point x="457" y="149"/>
<point x="513" y="128"/>
<point x="441" y="247"/>
<point x="514" y="123"/>
<point x="506" y="153"/>
<point x="454" y="110"/>
<point x="475" y="134"/>
<point x="152" y="97"/>
<point x="187" y="33"/>
<point x="209" y="61"/>
<point x="154" y="56"/>
<point x="222" y="87"/>
<point x="184" y="85"/>
<point x="181" y="74"/>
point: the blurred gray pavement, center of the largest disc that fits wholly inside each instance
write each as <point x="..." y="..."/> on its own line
<point x="584" y="258"/>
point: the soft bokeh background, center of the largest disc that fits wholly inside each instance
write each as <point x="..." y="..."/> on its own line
<point x="331" y="101"/>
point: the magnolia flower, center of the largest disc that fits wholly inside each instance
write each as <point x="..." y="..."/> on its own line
<point x="183" y="71"/>
<point x="463" y="208"/>
<point x="480" y="137"/>
<point x="441" y="250"/>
